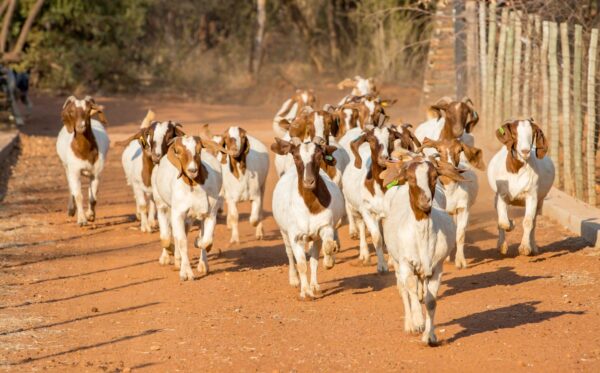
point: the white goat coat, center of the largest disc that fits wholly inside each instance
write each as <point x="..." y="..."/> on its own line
<point x="198" y="201"/>
<point x="283" y="163"/>
<point x="72" y="163"/>
<point x="292" y="214"/>
<point x="536" y="176"/>
<point x="249" y="184"/>
<point x="432" y="128"/>
<point x="421" y="243"/>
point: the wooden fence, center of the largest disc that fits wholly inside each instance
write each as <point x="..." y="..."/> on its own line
<point x="521" y="66"/>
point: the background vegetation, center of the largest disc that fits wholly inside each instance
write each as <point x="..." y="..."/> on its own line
<point x="208" y="47"/>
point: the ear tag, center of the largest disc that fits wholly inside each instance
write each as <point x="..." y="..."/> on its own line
<point x="143" y="141"/>
<point x="384" y="104"/>
<point x="501" y="130"/>
<point x="329" y="158"/>
<point x="392" y="184"/>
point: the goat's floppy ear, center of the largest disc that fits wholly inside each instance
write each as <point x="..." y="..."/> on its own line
<point x="394" y="174"/>
<point x="473" y="116"/>
<point x="541" y="145"/>
<point x="245" y="142"/>
<point x="505" y="135"/>
<point x="281" y="147"/>
<point x="441" y="105"/>
<point x="212" y="146"/>
<point x="474" y="156"/>
<point x="328" y="157"/>
<point x="285" y="124"/>
<point x="67" y="114"/>
<point x="354" y="145"/>
<point x="447" y="170"/>
<point x="96" y="110"/>
<point x="428" y="143"/>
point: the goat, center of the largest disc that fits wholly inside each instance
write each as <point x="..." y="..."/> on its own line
<point x="363" y="188"/>
<point x="360" y="87"/>
<point x="320" y="126"/>
<point x="456" y="198"/>
<point x="185" y="185"/>
<point x="450" y="120"/>
<point x="291" y="108"/>
<point x="82" y="146"/>
<point x="519" y="179"/>
<point x="307" y="205"/>
<point x="244" y="170"/>
<point x="143" y="151"/>
<point x="418" y="237"/>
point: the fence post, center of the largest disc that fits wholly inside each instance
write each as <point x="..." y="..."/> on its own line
<point x="516" y="75"/>
<point x="536" y="85"/>
<point x="577" y="121"/>
<point x="553" y="67"/>
<point x="500" y="69"/>
<point x="472" y="65"/>
<point x="491" y="57"/>
<point x="566" y="108"/>
<point x="545" y="78"/>
<point x="508" y="68"/>
<point x="483" y="62"/>
<point x="591" y="119"/>
<point x="527" y="66"/>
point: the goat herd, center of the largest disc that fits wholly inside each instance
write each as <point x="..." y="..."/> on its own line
<point x="410" y="191"/>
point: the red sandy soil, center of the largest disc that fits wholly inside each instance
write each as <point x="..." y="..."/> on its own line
<point x="96" y="299"/>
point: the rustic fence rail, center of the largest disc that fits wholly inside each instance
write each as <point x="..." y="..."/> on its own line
<point x="529" y="67"/>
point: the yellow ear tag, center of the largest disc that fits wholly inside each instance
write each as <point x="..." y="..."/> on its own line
<point x="142" y="140"/>
<point x="501" y="130"/>
<point x="384" y="104"/>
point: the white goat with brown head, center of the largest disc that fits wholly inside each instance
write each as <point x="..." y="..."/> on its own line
<point x="82" y="145"/>
<point x="521" y="174"/>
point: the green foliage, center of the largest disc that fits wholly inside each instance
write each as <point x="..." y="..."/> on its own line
<point x="204" y="47"/>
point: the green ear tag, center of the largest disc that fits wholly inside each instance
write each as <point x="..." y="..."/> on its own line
<point x="329" y="158"/>
<point x="392" y="184"/>
<point x="501" y="130"/>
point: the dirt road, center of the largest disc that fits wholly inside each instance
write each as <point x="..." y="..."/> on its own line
<point x="96" y="299"/>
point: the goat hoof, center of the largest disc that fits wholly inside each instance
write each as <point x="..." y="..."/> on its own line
<point x="202" y="268"/>
<point x="503" y="248"/>
<point x="186" y="274"/>
<point x="525" y="250"/>
<point x="82" y="222"/>
<point x="328" y="261"/>
<point x="460" y="263"/>
<point x="305" y="297"/>
<point x="70" y="212"/>
<point x="429" y="339"/>
<point x="90" y="216"/>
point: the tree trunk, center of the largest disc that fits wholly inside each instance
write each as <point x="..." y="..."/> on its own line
<point x="554" y="125"/>
<point x="491" y="58"/>
<point x="566" y="107"/>
<point x="517" y="79"/>
<point x="483" y="61"/>
<point x="545" y="78"/>
<point x="523" y="109"/>
<point x="590" y="153"/>
<point x="577" y="120"/>
<point x="498" y="96"/>
<point x="6" y="25"/>
<point x="334" y="51"/>
<point x="258" y="45"/>
<point x="14" y="55"/>
<point x="508" y="68"/>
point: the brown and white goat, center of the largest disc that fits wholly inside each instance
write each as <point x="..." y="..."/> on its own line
<point x="450" y="120"/>
<point x="143" y="151"/>
<point x="418" y="237"/>
<point x="291" y="108"/>
<point x="307" y="206"/>
<point x="82" y="145"/>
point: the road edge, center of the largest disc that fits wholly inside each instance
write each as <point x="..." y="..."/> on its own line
<point x="575" y="215"/>
<point x="8" y="145"/>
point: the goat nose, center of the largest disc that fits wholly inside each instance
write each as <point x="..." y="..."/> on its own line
<point x="526" y="152"/>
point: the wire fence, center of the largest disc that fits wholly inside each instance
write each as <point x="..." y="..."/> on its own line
<point x="522" y="66"/>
